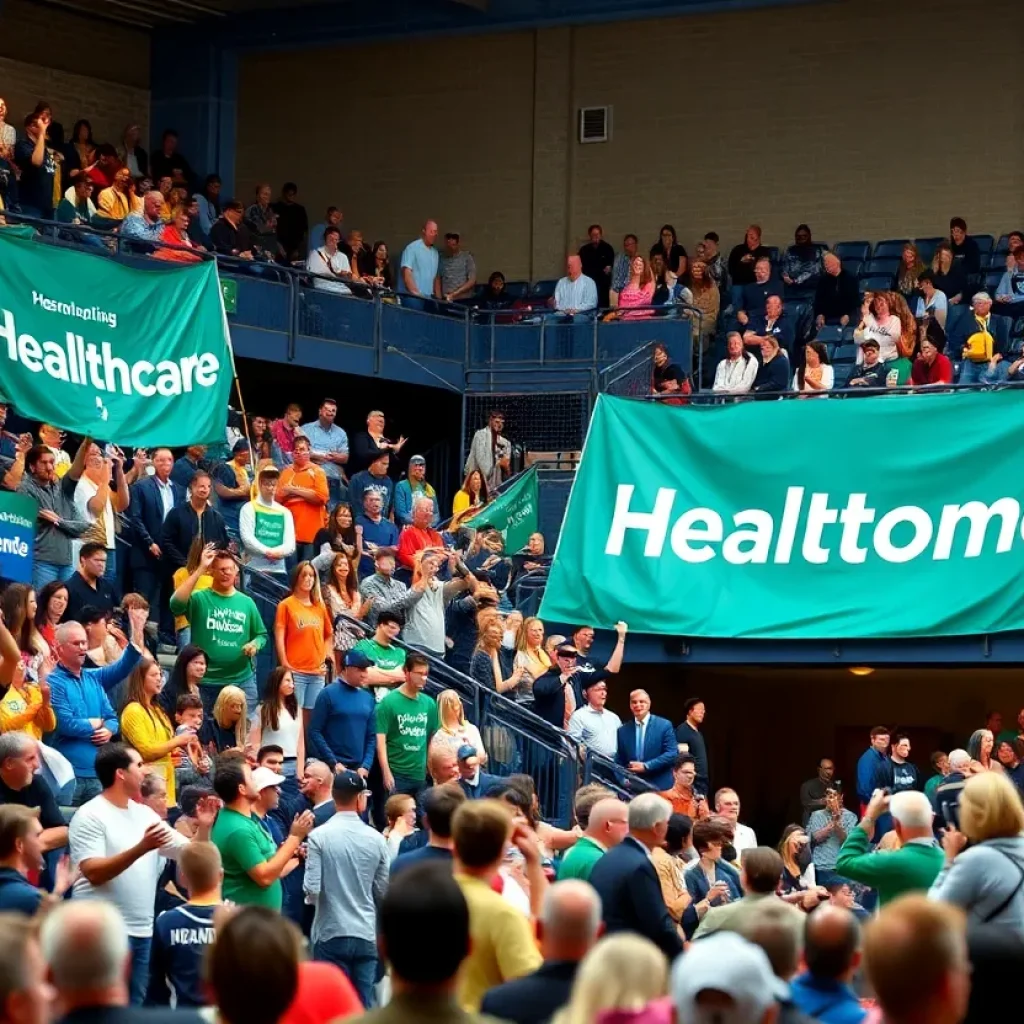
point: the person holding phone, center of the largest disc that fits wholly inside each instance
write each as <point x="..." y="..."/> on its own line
<point x="710" y="881"/>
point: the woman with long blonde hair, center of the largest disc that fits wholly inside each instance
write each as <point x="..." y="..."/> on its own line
<point x="625" y="973"/>
<point x="145" y="725"/>
<point x="908" y="324"/>
<point x="225" y="728"/>
<point x="453" y="731"/>
<point x="530" y="654"/>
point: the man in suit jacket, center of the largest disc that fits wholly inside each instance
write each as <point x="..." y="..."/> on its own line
<point x="627" y="882"/>
<point x="473" y="780"/>
<point x="85" y="946"/>
<point x="646" y="744"/>
<point x="568" y="927"/>
<point x="152" y="498"/>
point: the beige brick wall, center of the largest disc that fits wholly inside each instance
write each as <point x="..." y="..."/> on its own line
<point x="855" y="116"/>
<point x="82" y="66"/>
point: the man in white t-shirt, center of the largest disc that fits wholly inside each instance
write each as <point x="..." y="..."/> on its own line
<point x="330" y="265"/>
<point x="117" y="843"/>
<point x="727" y="804"/>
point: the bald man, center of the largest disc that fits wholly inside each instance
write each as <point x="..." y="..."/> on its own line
<point x="832" y="955"/>
<point x="568" y="927"/>
<point x="607" y="826"/>
<point x="575" y="294"/>
<point x="419" y="264"/>
<point x="316" y="788"/>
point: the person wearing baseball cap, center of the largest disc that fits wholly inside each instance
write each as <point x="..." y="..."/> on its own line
<point x="871" y="372"/>
<point x="347" y="868"/>
<point x="232" y="481"/>
<point x="265" y="782"/>
<point x="725" y="978"/>
<point x="475" y="782"/>
<point x="412" y="487"/>
<point x="342" y="728"/>
<point x="265" y="526"/>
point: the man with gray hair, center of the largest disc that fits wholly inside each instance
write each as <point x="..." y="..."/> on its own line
<point x="946" y="800"/>
<point x="911" y="868"/>
<point x="982" y="339"/>
<point x="627" y="882"/>
<point x="85" y="947"/>
<point x="568" y="927"/>
<point x="19" y="784"/>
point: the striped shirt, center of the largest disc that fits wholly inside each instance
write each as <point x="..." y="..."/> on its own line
<point x="578" y="295"/>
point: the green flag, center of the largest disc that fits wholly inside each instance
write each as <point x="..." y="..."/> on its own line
<point x="139" y="357"/>
<point x="892" y="516"/>
<point x="514" y="512"/>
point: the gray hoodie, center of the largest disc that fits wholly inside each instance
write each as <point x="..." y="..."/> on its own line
<point x="53" y="542"/>
<point x="987" y="882"/>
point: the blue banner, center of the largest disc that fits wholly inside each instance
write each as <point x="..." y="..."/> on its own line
<point x="17" y="536"/>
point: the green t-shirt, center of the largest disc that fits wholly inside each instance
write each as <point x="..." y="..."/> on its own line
<point x="579" y="859"/>
<point x="222" y="626"/>
<point x="244" y="843"/>
<point x="407" y="723"/>
<point x="385" y="658"/>
<point x="897" y="372"/>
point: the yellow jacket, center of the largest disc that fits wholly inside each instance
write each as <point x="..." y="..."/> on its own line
<point x="23" y="711"/>
<point x="116" y="205"/>
<point x="146" y="729"/>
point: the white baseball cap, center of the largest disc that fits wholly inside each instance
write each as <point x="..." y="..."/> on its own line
<point x="264" y="777"/>
<point x="727" y="963"/>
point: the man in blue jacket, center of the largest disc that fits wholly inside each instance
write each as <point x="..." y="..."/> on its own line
<point x="646" y="745"/>
<point x="832" y="956"/>
<point x="152" y="498"/>
<point x="874" y="771"/>
<point x="85" y="717"/>
<point x="474" y="781"/>
<point x="342" y="728"/>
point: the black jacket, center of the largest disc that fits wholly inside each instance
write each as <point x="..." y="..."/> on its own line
<point x="535" y="998"/>
<point x="631" y="899"/>
<point x="229" y="240"/>
<point x="181" y="527"/>
<point x="836" y="297"/>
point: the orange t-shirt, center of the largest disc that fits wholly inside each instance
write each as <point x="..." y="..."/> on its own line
<point x="307" y="634"/>
<point x="309" y="518"/>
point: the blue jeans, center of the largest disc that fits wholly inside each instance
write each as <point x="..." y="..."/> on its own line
<point x="336" y="490"/>
<point x="110" y="573"/>
<point x="307" y="688"/>
<point x="138" y="980"/>
<point x="184" y="637"/>
<point x="973" y="373"/>
<point x="358" y="959"/>
<point x="47" y="572"/>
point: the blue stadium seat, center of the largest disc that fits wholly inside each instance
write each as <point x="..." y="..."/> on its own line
<point x="842" y="372"/>
<point x="773" y="252"/>
<point x="880" y="266"/>
<point x="829" y="335"/>
<point x="995" y="260"/>
<point x="992" y="279"/>
<point x="1003" y="245"/>
<point x="985" y="243"/>
<point x="848" y="334"/>
<point x="875" y="283"/>
<point x="853" y="266"/>
<point x="926" y="248"/>
<point x="892" y="247"/>
<point x="517" y="289"/>
<point x="543" y="290"/>
<point x="845" y="354"/>
<point x="853" y="250"/>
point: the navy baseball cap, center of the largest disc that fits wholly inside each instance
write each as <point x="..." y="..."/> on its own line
<point x="347" y="784"/>
<point x="356" y="659"/>
<point x="466" y="751"/>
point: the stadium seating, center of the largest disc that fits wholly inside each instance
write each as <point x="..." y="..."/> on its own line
<point x="891" y="248"/>
<point x="853" y="250"/>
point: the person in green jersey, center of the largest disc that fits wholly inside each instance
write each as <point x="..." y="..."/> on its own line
<point x="406" y="719"/>
<point x="226" y="625"/>
<point x="253" y="864"/>
<point x="388" y="659"/>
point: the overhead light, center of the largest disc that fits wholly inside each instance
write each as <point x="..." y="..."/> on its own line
<point x="862" y="670"/>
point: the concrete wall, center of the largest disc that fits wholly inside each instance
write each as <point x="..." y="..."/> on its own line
<point x="846" y="114"/>
<point x="84" y="67"/>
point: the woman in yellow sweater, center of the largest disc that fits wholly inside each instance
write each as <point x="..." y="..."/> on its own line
<point x="182" y="629"/>
<point x="470" y="498"/>
<point x="26" y="706"/>
<point x="145" y="725"/>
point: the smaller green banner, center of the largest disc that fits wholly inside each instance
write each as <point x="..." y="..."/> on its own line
<point x="229" y="289"/>
<point x="514" y="512"/>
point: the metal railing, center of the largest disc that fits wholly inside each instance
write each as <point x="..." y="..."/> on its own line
<point x="515" y="738"/>
<point x="289" y="300"/>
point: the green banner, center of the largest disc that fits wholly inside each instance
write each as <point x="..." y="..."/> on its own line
<point x="514" y="512"/>
<point x="895" y="516"/>
<point x="140" y="357"/>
